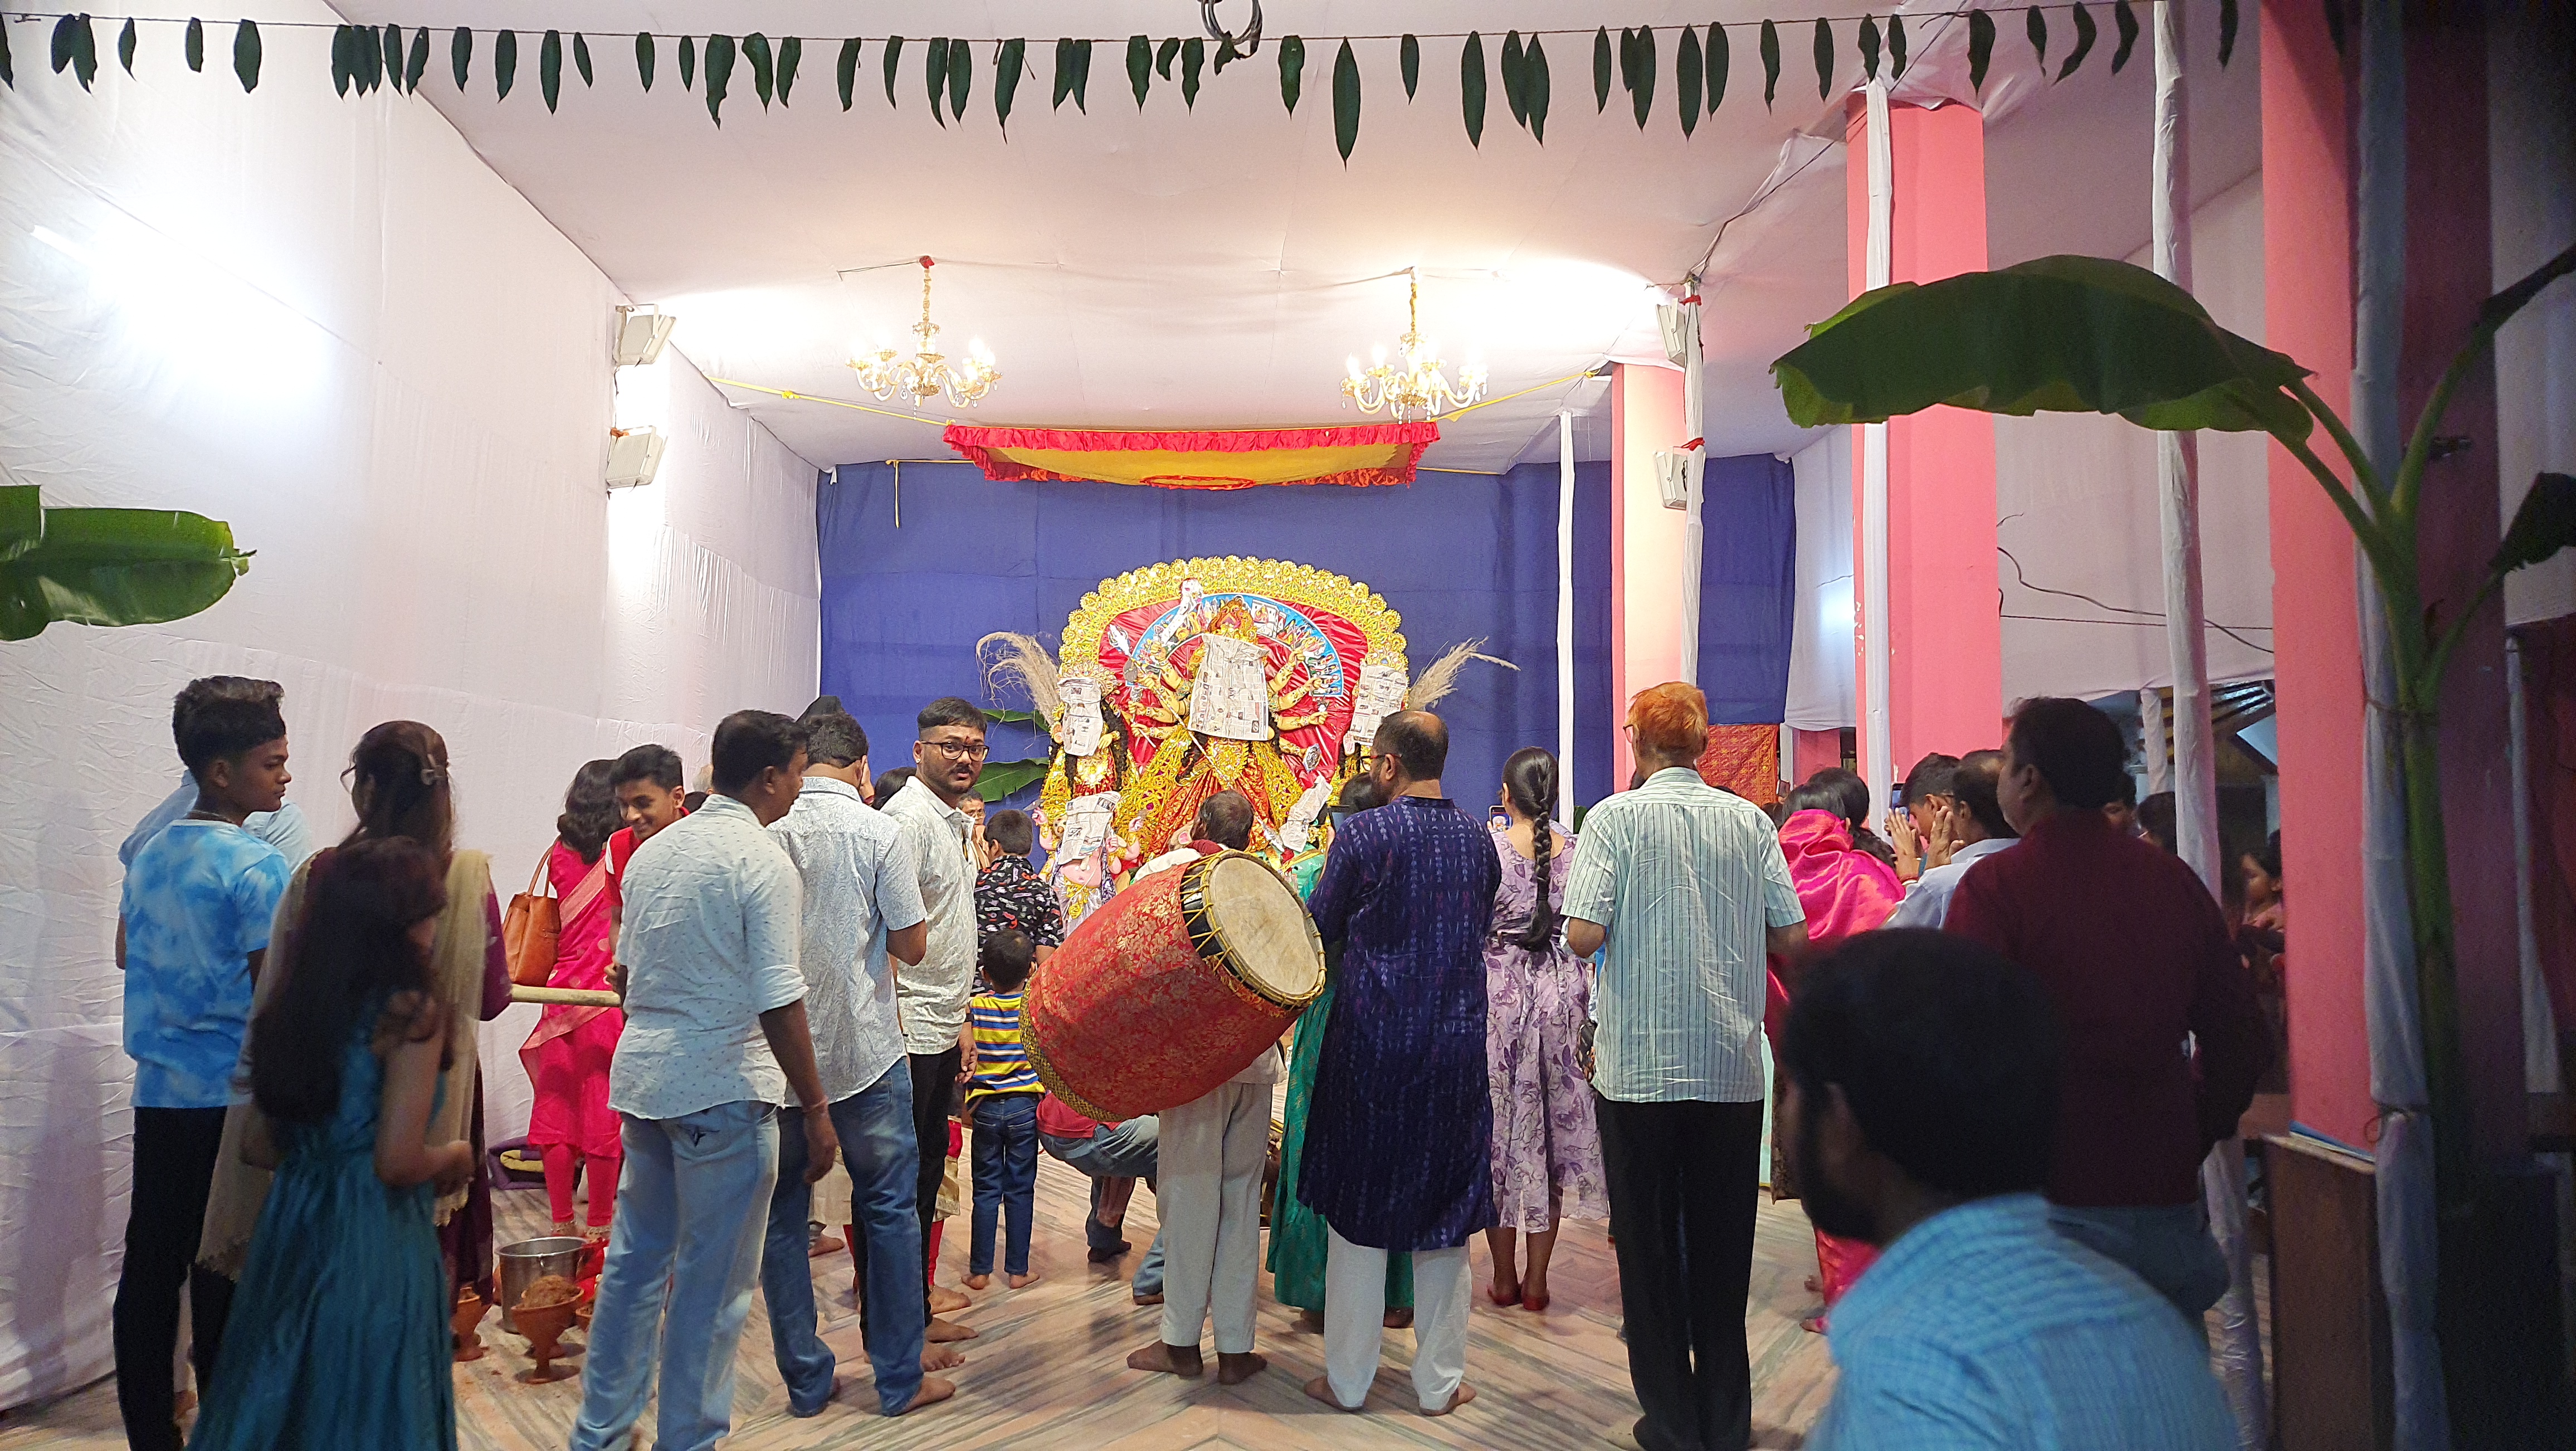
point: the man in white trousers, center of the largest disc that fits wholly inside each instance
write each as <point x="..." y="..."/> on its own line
<point x="1209" y="1196"/>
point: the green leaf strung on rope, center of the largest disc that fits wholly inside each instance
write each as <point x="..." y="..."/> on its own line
<point x="194" y="47"/>
<point x="845" y="71"/>
<point x="76" y="45"/>
<point x="107" y="566"/>
<point x="1346" y="102"/>
<point x="581" y="60"/>
<point x="246" y="54"/>
<point x="344" y="65"/>
<point x="1896" y="47"/>
<point x="2543" y="524"/>
<point x="1193" y="56"/>
<point x="688" y="62"/>
<point x="1717" y="64"/>
<point x="2035" y="25"/>
<point x="1601" y="69"/>
<point x="505" y="63"/>
<point x="934" y="76"/>
<point x="2057" y="335"/>
<point x="791" y="58"/>
<point x="1082" y="76"/>
<point x="1472" y="87"/>
<point x="1514" y="79"/>
<point x="1770" y="63"/>
<point x="2125" y="22"/>
<point x="1292" y="71"/>
<point x="764" y="73"/>
<point x="1169" y="51"/>
<point x="1824" y="59"/>
<point x="418" y="65"/>
<point x="1687" y="80"/>
<point x="125" y="46"/>
<point x="1063" y="72"/>
<point x="1981" y="49"/>
<point x="371" y="58"/>
<point x="1408" y="61"/>
<point x="8" y="65"/>
<point x="1534" y="72"/>
<point x="1009" y="61"/>
<point x="2226" y="31"/>
<point x="393" y="55"/>
<point x="961" y="78"/>
<point x="720" y="56"/>
<point x="2083" y="42"/>
<point x="893" y="63"/>
<point x="1868" y="48"/>
<point x="645" y="58"/>
<point x="1140" y="67"/>
<point x="1226" y="52"/>
<point x="1641" y="84"/>
<point x="550" y="68"/>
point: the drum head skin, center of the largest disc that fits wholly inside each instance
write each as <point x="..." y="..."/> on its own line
<point x="1246" y="919"/>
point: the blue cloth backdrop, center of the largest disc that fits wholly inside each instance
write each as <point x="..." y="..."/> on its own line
<point x="1748" y="594"/>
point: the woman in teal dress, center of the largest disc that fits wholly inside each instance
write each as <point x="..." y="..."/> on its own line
<point x="339" y="1332"/>
<point x="1297" y="1242"/>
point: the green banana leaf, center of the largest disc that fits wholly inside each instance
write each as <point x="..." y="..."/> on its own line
<point x="107" y="566"/>
<point x="999" y="780"/>
<point x="2059" y="334"/>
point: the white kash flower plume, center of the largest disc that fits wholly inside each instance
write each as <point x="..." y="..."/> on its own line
<point x="1441" y="676"/>
<point x="1020" y="660"/>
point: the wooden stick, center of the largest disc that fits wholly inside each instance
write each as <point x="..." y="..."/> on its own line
<point x="576" y="996"/>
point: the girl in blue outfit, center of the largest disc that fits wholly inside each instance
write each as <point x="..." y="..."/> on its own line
<point x="339" y="1330"/>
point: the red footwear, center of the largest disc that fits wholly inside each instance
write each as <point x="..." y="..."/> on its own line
<point x="1535" y="1304"/>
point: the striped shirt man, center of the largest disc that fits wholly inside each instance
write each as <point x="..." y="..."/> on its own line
<point x="1686" y="878"/>
<point x="1001" y="1058"/>
<point x="1983" y="1327"/>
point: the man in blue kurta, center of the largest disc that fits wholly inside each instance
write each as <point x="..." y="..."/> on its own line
<point x="1397" y="1143"/>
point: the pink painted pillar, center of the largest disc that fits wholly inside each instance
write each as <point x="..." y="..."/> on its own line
<point x="1813" y="751"/>
<point x="1943" y="626"/>
<point x="2307" y="313"/>
<point x="1646" y="542"/>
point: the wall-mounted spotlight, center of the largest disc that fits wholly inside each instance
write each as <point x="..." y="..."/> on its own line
<point x="641" y="332"/>
<point x="634" y="456"/>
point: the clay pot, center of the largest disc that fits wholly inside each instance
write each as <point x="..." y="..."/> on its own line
<point x="469" y="1313"/>
<point x="544" y="1325"/>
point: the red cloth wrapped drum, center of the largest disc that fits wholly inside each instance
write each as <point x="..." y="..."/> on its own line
<point x="1172" y="988"/>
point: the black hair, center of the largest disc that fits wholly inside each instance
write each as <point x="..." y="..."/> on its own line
<point x="2156" y="819"/>
<point x="1930" y="777"/>
<point x="834" y="739"/>
<point x="1418" y="740"/>
<point x="749" y="742"/>
<point x="220" y="717"/>
<point x="891" y="784"/>
<point x="656" y="763"/>
<point x="2079" y="751"/>
<point x="824" y="705"/>
<point x="1974" y="784"/>
<point x="590" y="814"/>
<point x="1946" y="1052"/>
<point x="1006" y="958"/>
<point x="1529" y="778"/>
<point x="398" y="782"/>
<point x="348" y="954"/>
<point x="1851" y="798"/>
<point x="950" y="710"/>
<point x="1226" y="819"/>
<point x="2128" y="795"/>
<point x="1814" y="796"/>
<point x="1359" y="793"/>
<point x="2268" y="856"/>
<point x="1010" y="832"/>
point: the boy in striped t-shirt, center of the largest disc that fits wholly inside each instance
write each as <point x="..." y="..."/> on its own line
<point x="1002" y="1095"/>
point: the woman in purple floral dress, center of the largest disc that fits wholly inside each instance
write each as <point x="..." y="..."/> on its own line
<point x="1546" y="1147"/>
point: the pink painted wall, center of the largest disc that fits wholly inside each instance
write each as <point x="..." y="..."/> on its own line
<point x="1813" y="751"/>
<point x="1942" y="618"/>
<point x="1646" y="541"/>
<point x="2307" y="313"/>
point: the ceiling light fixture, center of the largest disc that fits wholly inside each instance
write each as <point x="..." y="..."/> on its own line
<point x="926" y="374"/>
<point x="1421" y="387"/>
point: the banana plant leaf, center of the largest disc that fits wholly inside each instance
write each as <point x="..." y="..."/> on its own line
<point x="2059" y="334"/>
<point x="107" y="566"/>
<point x="1000" y="780"/>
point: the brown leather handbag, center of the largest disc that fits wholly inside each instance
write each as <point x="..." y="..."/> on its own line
<point x="529" y="930"/>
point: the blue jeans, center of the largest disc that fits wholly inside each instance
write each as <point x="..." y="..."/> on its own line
<point x="1117" y="1151"/>
<point x="2166" y="1245"/>
<point x="686" y="1243"/>
<point x="1006" y="1177"/>
<point x="875" y="1126"/>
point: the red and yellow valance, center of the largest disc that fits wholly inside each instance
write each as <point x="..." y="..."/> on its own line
<point x="1360" y="455"/>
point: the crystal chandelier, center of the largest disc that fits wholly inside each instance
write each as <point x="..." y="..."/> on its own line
<point x="1421" y="387"/>
<point x="925" y="375"/>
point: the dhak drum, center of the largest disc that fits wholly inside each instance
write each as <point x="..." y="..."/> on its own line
<point x="1173" y="987"/>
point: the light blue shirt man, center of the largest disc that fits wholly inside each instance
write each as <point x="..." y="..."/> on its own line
<point x="1981" y="1327"/>
<point x="1927" y="903"/>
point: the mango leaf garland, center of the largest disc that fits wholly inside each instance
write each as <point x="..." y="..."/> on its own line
<point x="581" y="60"/>
<point x="893" y="63"/>
<point x="1770" y="63"/>
<point x="1981" y="49"/>
<point x="1140" y="67"/>
<point x="371" y="58"/>
<point x="2125" y="21"/>
<point x="756" y="54"/>
<point x="2035" y="25"/>
<point x="1637" y="73"/>
<point x="791" y="59"/>
<point x="246" y="54"/>
<point x="418" y="65"/>
<point x="1064" y="64"/>
<point x="125" y="46"/>
<point x="1868" y="48"/>
<point x="1824" y="59"/>
<point x="644" y="58"/>
<point x="1601" y="69"/>
<point x="1896" y="47"/>
<point x="688" y="62"/>
<point x="1514" y="79"/>
<point x="505" y="63"/>
<point x="846" y="70"/>
<point x="720" y="54"/>
<point x="1166" y="53"/>
<point x="550" y="67"/>
<point x="1226" y="52"/>
<point x="1346" y="102"/>
<point x="1082" y="76"/>
<point x="76" y="45"/>
<point x="393" y="47"/>
<point x="1686" y="80"/>
<point x="1534" y="83"/>
<point x="961" y="78"/>
<point x="1193" y="57"/>
<point x="1408" y="59"/>
<point x="2083" y="42"/>
<point x="343" y="62"/>
<point x="9" y="67"/>
<point x="934" y="75"/>
<point x="1292" y="71"/>
<point x="2226" y="30"/>
<point x="1717" y="63"/>
<point x="194" y="46"/>
<point x="1471" y="87"/>
<point x="1010" y="61"/>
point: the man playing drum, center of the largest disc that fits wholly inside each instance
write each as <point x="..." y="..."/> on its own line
<point x="1209" y="1195"/>
<point x="1398" y="1140"/>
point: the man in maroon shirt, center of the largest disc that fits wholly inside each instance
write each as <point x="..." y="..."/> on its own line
<point x="2136" y="957"/>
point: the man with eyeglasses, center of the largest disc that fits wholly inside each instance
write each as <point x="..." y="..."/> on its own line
<point x="931" y="996"/>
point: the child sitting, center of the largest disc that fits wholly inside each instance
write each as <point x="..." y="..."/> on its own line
<point x="1002" y="1104"/>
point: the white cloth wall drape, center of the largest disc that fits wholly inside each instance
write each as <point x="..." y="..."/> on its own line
<point x="1820" y="643"/>
<point x="330" y="324"/>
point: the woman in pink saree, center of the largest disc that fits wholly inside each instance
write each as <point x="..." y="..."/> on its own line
<point x="567" y="1056"/>
<point x="1846" y="891"/>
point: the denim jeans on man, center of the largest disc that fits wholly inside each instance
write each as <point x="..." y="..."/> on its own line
<point x="2166" y="1245"/>
<point x="1006" y="1179"/>
<point x="1131" y="1150"/>
<point x="718" y="1164"/>
<point x="875" y="1127"/>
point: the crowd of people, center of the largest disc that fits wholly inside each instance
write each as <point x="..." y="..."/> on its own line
<point x="2006" y="1033"/>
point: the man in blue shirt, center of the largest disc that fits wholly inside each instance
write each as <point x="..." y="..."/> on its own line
<point x="193" y="926"/>
<point x="1922" y="1102"/>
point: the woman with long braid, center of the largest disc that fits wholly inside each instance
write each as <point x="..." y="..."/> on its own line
<point x="1546" y="1147"/>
